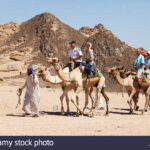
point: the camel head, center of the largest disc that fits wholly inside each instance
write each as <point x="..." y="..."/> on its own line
<point x="53" y="60"/>
<point x="55" y="63"/>
<point x="42" y="72"/>
<point x="114" y="70"/>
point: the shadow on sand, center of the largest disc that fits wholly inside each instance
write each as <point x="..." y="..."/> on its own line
<point x="59" y="113"/>
<point x="122" y="113"/>
<point x="42" y="113"/>
<point x="17" y="115"/>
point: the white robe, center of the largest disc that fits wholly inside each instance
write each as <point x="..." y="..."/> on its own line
<point x="32" y="95"/>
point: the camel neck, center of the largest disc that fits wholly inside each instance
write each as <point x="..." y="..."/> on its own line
<point x="120" y="80"/>
<point x="64" y="76"/>
<point x="52" y="79"/>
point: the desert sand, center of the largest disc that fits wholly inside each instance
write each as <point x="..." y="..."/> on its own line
<point x="51" y="122"/>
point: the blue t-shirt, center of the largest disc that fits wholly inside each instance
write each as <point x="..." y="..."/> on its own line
<point x="138" y="61"/>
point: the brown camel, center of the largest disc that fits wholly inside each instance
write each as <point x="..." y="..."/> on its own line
<point x="66" y="87"/>
<point x="127" y="82"/>
<point x="81" y="82"/>
<point x="132" y="86"/>
<point x="145" y="88"/>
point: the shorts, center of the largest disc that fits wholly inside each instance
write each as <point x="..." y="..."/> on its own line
<point x="139" y="73"/>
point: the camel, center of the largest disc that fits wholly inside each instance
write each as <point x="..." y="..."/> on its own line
<point x="66" y="87"/>
<point x="127" y="83"/>
<point x="81" y="82"/>
<point x="145" y="87"/>
<point x="132" y="87"/>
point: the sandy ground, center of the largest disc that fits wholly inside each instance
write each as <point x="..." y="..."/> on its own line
<point x="51" y="122"/>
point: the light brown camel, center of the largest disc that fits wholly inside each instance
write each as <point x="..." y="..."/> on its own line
<point x="127" y="82"/>
<point x="132" y="87"/>
<point x="81" y="82"/>
<point x="145" y="88"/>
<point x="66" y="87"/>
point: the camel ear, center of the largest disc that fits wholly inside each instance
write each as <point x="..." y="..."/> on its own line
<point x="42" y="68"/>
<point x="122" y="71"/>
<point x="50" y="60"/>
<point x="56" y="60"/>
<point x="108" y="70"/>
<point x="121" y="68"/>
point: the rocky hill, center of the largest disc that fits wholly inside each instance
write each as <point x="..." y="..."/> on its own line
<point x="43" y="36"/>
<point x="109" y="51"/>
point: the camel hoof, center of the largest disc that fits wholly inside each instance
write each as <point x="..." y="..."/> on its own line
<point x="137" y="108"/>
<point x="91" y="115"/>
<point x="131" y="112"/>
<point x="62" y="113"/>
<point x="81" y="113"/>
<point x="68" y="113"/>
<point x="107" y="114"/>
<point x="77" y="115"/>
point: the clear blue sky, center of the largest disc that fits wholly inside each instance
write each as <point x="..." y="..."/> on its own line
<point x="129" y="20"/>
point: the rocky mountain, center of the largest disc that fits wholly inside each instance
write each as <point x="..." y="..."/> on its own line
<point x="43" y="36"/>
<point x="109" y="51"/>
<point x="87" y="31"/>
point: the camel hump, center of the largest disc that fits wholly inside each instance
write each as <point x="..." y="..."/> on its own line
<point x="66" y="70"/>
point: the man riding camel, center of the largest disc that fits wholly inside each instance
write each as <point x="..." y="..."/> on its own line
<point x="139" y="66"/>
<point x="75" y="54"/>
<point x="88" y="58"/>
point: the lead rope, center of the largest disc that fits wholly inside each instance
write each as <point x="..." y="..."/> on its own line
<point x="69" y="76"/>
<point x="123" y="89"/>
<point x="117" y="88"/>
<point x="19" y="98"/>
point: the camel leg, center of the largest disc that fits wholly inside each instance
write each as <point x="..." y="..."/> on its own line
<point x="67" y="102"/>
<point x="73" y="100"/>
<point x="99" y="89"/>
<point x="61" y="100"/>
<point x="135" y="99"/>
<point x="149" y="102"/>
<point x="77" y="102"/>
<point x="146" y="103"/>
<point x="130" y="101"/>
<point x="91" y="114"/>
<point x="106" y="100"/>
<point x="66" y="90"/>
<point x="92" y="101"/>
<point x="97" y="102"/>
<point x="86" y="98"/>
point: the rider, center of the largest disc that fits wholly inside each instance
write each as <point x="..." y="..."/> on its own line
<point x="75" y="54"/>
<point x="88" y="58"/>
<point x="147" y="65"/>
<point x="139" y="65"/>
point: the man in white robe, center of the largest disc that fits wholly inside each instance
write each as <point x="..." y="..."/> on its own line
<point x="32" y="95"/>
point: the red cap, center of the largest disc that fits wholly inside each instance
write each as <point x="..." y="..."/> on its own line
<point x="144" y="54"/>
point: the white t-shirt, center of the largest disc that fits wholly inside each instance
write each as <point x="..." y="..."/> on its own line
<point x="75" y="53"/>
<point x="88" y="54"/>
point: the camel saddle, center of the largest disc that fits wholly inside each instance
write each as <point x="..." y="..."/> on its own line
<point x="94" y="73"/>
